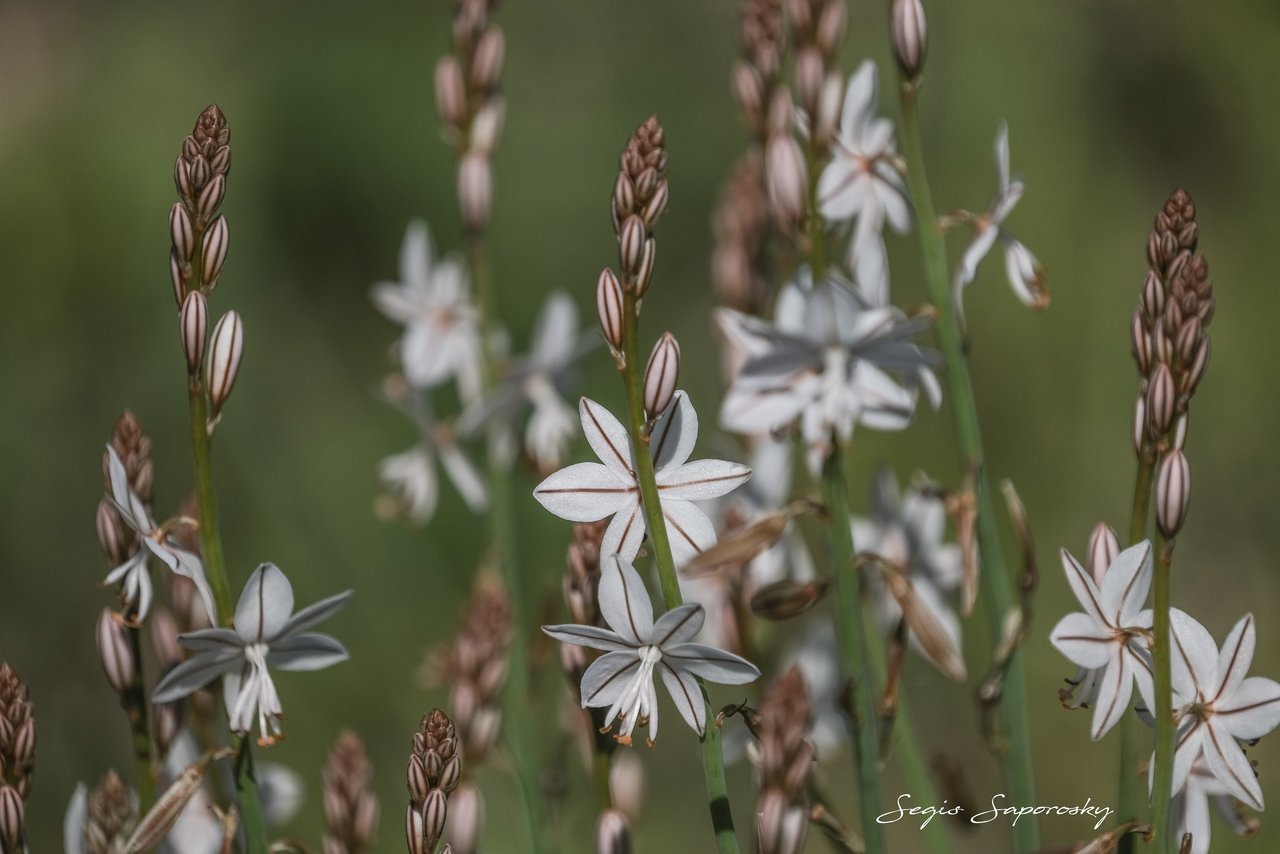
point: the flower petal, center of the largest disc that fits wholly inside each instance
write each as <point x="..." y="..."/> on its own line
<point x="700" y="480"/>
<point x="717" y="665"/>
<point x="687" y="696"/>
<point x="309" y="651"/>
<point x="265" y="604"/>
<point x="555" y="334"/>
<point x="1082" y="584"/>
<point x="1083" y="641"/>
<point x="76" y="821"/>
<point x="194" y="673"/>
<point x="624" y="601"/>
<point x="212" y="640"/>
<point x="682" y="623"/>
<point x="589" y="636"/>
<point x="689" y="530"/>
<point x="1186" y="750"/>
<point x="1195" y="657"/>
<point x="1236" y="656"/>
<point x="1228" y="763"/>
<point x="1114" y="694"/>
<point x="465" y="478"/>
<point x="1251" y="710"/>
<point x="313" y="615"/>
<point x="608" y="438"/>
<point x="1124" y="587"/>
<point x="625" y="533"/>
<point x="607" y="677"/>
<point x="585" y="492"/>
<point x="674" y="434"/>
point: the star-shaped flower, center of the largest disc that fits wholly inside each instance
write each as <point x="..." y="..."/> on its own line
<point x="588" y="492"/>
<point x="828" y="360"/>
<point x="442" y="331"/>
<point x="1218" y="704"/>
<point x="132" y="575"/>
<point x="1107" y="636"/>
<point x="1190" y="808"/>
<point x="266" y="634"/>
<point x="636" y="648"/>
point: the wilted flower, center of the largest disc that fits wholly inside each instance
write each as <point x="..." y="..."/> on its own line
<point x="635" y="647"/>
<point x="587" y="492"/>
<point x="266" y="634"/>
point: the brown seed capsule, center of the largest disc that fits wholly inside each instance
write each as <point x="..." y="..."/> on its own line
<point x="661" y="375"/>
<point x="213" y="251"/>
<point x="114" y="652"/>
<point x="785" y="599"/>
<point x="910" y="36"/>
<point x="181" y="232"/>
<point x="1161" y="399"/>
<point x="1173" y="492"/>
<point x="226" y="347"/>
<point x="1104" y="545"/>
<point x="613" y="833"/>
<point x="194" y="323"/>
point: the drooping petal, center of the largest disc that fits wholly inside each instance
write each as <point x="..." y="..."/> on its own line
<point x="624" y="601"/>
<point x="685" y="693"/>
<point x="689" y="530"/>
<point x="625" y="533"/>
<point x="1025" y="274"/>
<point x="701" y="479"/>
<point x="608" y="438"/>
<point x="717" y="665"/>
<point x="1229" y="764"/>
<point x="982" y="242"/>
<point x="212" y="640"/>
<point x="1195" y="657"/>
<point x="194" y="673"/>
<point x="1235" y="658"/>
<point x="1251" y="710"/>
<point x="607" y="677"/>
<point x="315" y="614"/>
<point x="464" y="476"/>
<point x="307" y="651"/>
<point x="585" y="492"/>
<point x="1082" y="584"/>
<point x="1114" y="694"/>
<point x="265" y="604"/>
<point x="682" y="623"/>
<point x="674" y="434"/>
<point x="1083" y="641"/>
<point x="1124" y="587"/>
<point x="589" y="636"/>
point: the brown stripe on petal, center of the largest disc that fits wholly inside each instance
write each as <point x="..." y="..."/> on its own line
<point x="719" y="479"/>
<point x="685" y="692"/>
<point x="609" y="681"/>
<point x="612" y="447"/>
<point x="1235" y="656"/>
<point x="677" y="627"/>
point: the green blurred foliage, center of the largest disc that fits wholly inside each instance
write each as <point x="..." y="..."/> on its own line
<point x="336" y="146"/>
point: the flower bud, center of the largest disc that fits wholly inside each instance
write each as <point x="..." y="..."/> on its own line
<point x="12" y="819"/>
<point x="785" y="599"/>
<point x="182" y="178"/>
<point x="450" y="774"/>
<point x="626" y="783"/>
<point x="466" y="814"/>
<point x="748" y="91"/>
<point x="114" y="652"/>
<point x="809" y="72"/>
<point x="225" y="349"/>
<point x="213" y="251"/>
<point x="1173" y="492"/>
<point x="613" y="833"/>
<point x="1152" y="296"/>
<point x="910" y="36"/>
<point x="1139" y="423"/>
<point x="631" y="247"/>
<point x="181" y="232"/>
<point x="435" y="811"/>
<point x="178" y="272"/>
<point x="475" y="190"/>
<point x="194" y="323"/>
<point x="488" y="58"/>
<point x="413" y="831"/>
<point x="210" y="198"/>
<point x="1199" y="362"/>
<point x="832" y="19"/>
<point x="198" y="169"/>
<point x="220" y="162"/>
<point x="486" y="126"/>
<point x="645" y="274"/>
<point x="417" y="777"/>
<point x="786" y="178"/>
<point x="1180" y="432"/>
<point x="827" y="110"/>
<point x="111" y="533"/>
<point x="1104" y="545"/>
<point x="661" y="375"/>
<point x="451" y="91"/>
<point x="657" y="203"/>
<point x="1140" y="343"/>
<point x="624" y="199"/>
<point x="609" y="307"/>
<point x="1161" y="397"/>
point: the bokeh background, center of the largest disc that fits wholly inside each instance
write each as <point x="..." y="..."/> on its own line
<point x="336" y="147"/>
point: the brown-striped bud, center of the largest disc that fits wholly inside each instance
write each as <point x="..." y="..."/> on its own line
<point x="487" y="61"/>
<point x="193" y="321"/>
<point x="1188" y="339"/>
<point x="657" y="203"/>
<point x="115" y="652"/>
<point x="198" y="169"/>
<point x="12" y="819"/>
<point x="661" y="375"/>
<point x="226" y="347"/>
<point x="213" y="251"/>
<point x="112" y="535"/>
<point x="1152" y="296"/>
<point x="1161" y="399"/>
<point x="809" y="72"/>
<point x="609" y="307"/>
<point x="827" y="110"/>
<point x="451" y="91"/>
<point x="832" y="19"/>
<point x="178" y="272"/>
<point x="210" y="198"/>
<point x="1191" y="378"/>
<point x="414" y="836"/>
<point x="613" y="833"/>
<point x="220" y="162"/>
<point x="1140" y="343"/>
<point x="1104" y="545"/>
<point x="624" y="199"/>
<point x="1139" y="423"/>
<point x="475" y="190"/>
<point x="435" y="811"/>
<point x="631" y="246"/>
<point x="786" y="178"/>
<point x="416" y="774"/>
<point x="1173" y="492"/>
<point x="910" y="36"/>
<point x="181" y="232"/>
<point x="645" y="274"/>
<point x="182" y="178"/>
<point x="1180" y="432"/>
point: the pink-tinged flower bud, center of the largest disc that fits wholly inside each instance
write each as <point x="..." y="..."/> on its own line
<point x="181" y="232"/>
<point x="1104" y="545"/>
<point x="748" y="90"/>
<point x="182" y="178"/>
<point x="178" y="272"/>
<point x="435" y="811"/>
<point x="475" y="190"/>
<point x="198" y="169"/>
<point x="220" y="162"/>
<point x="1188" y="339"/>
<point x="661" y="375"/>
<point x="626" y="783"/>
<point x="1199" y="362"/>
<point x="466" y="815"/>
<point x="226" y="347"/>
<point x="451" y="91"/>
<point x="645" y="274"/>
<point x="1173" y="493"/>
<point x="1180" y="432"/>
<point x="624" y="199"/>
<point x="631" y="246"/>
<point x="12" y="819"/>
<point x="210" y="198"/>
<point x="111" y="533"/>
<point x="1161" y="351"/>
<point x="613" y="833"/>
<point x="114" y="652"/>
<point x="1140" y="344"/>
<point x="486" y="126"/>
<point x="1139" y="423"/>
<point x="609" y="307"/>
<point x="786" y="178"/>
<point x="1152" y="296"/>
<point x="167" y="720"/>
<point x="832" y="20"/>
<point x="657" y="203"/>
<point x="450" y="773"/>
<point x="488" y="59"/>
<point x="781" y="112"/>
<point x="827" y="112"/>
<point x="194" y="323"/>
<point x="213" y="251"/>
<point x="809" y="72"/>
<point x="414" y="836"/>
<point x="1161" y="398"/>
<point x="417" y="778"/>
<point x="910" y="36"/>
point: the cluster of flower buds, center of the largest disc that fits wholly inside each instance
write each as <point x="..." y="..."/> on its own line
<point x="758" y="71"/>
<point x="112" y="816"/>
<point x="639" y="197"/>
<point x="909" y="32"/>
<point x="17" y="758"/>
<point x="471" y="105"/>
<point x="350" y="805"/>
<point x="1171" y="347"/>
<point x="133" y="446"/>
<point x="786" y="763"/>
<point x="435" y="768"/>
<point x="741" y="228"/>
<point x="475" y="668"/>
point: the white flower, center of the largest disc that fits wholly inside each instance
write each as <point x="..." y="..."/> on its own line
<point x="588" y="492"/>
<point x="266" y="633"/>
<point x="1190" y="808"/>
<point x="907" y="531"/>
<point x="1218" y="704"/>
<point x="132" y="575"/>
<point x="442" y="332"/>
<point x="1024" y="271"/>
<point x="825" y="360"/>
<point x="1106" y="636"/>
<point x="410" y="479"/>
<point x="623" y="678"/>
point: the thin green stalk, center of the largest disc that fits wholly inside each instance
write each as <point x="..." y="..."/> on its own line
<point x="1018" y="771"/>
<point x="853" y="648"/>
<point x="515" y="698"/>
<point x="1129" y="802"/>
<point x="712" y="753"/>
<point x="136" y="710"/>
<point x="601" y="764"/>
<point x="1163" y="783"/>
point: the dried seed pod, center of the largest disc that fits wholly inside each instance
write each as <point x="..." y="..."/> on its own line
<point x="115" y="652"/>
<point x="194" y="323"/>
<point x="910" y="36"/>
<point x="157" y="823"/>
<point x="1173" y="492"/>
<point x="613" y="833"/>
<point x="1104" y="545"/>
<point x="226" y="347"/>
<point x="661" y="375"/>
<point x="785" y="599"/>
<point x="609" y="307"/>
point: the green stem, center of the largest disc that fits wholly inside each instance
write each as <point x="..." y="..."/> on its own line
<point x="601" y="764"/>
<point x="1018" y="772"/>
<point x="251" y="816"/>
<point x="712" y="753"/>
<point x="135" y="704"/>
<point x="1129" y="802"/>
<point x="1163" y="783"/>
<point x="515" y="698"/>
<point x="853" y="648"/>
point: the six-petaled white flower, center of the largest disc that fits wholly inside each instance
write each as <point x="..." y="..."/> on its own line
<point x="266" y="634"/>
<point x="132" y="575"/>
<point x="409" y="478"/>
<point x="637" y="648"/>
<point x="1190" y="808"/>
<point x="588" y="492"/>
<point x="1108" y="636"/>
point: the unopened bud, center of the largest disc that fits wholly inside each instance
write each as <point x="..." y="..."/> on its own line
<point x="1191" y="378"/>
<point x="1152" y="296"/>
<point x="213" y="251"/>
<point x="182" y="178"/>
<point x="450" y="774"/>
<point x="1161" y="398"/>
<point x="451" y="91"/>
<point x="466" y="813"/>
<point x="487" y="61"/>
<point x="475" y="190"/>
<point x="181" y="232"/>
<point x="12" y="819"/>
<point x="786" y="178"/>
<point x="111" y="533"/>
<point x="631" y="246"/>
<point x="435" y="811"/>
<point x="1104" y="545"/>
<point x="178" y="271"/>
<point x="609" y="307"/>
<point x="910" y="36"/>
<point x="785" y="599"/>
<point x="413" y="831"/>
<point x="114" y="652"/>
<point x="486" y="126"/>
<point x="832" y="20"/>
<point x="645" y="274"/>
<point x="809" y="72"/>
<point x="198" y="169"/>
<point x="1188" y="339"/>
<point x="1180" y="432"/>
<point x="225" y="349"/>
<point x="417" y="777"/>
<point x="1173" y="492"/>
<point x="210" y="198"/>
<point x="613" y="833"/>
<point x="1139" y="423"/>
<point x="657" y="203"/>
<point x="1140" y="343"/>
<point x="194" y="323"/>
<point x="661" y="375"/>
<point x="827" y="111"/>
<point x="626" y="783"/>
<point x="748" y="91"/>
<point x="220" y="162"/>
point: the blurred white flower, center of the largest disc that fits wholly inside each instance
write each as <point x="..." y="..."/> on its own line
<point x="409" y="478"/>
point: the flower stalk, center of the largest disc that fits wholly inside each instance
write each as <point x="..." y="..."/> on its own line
<point x="1162" y="783"/>
<point x="998" y="597"/>
<point x="136" y="710"/>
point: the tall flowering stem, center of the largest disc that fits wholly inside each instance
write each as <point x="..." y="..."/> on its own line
<point x="1162" y="782"/>
<point x="998" y="598"/>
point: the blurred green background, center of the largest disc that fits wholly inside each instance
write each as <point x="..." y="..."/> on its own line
<point x="1110" y="105"/>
